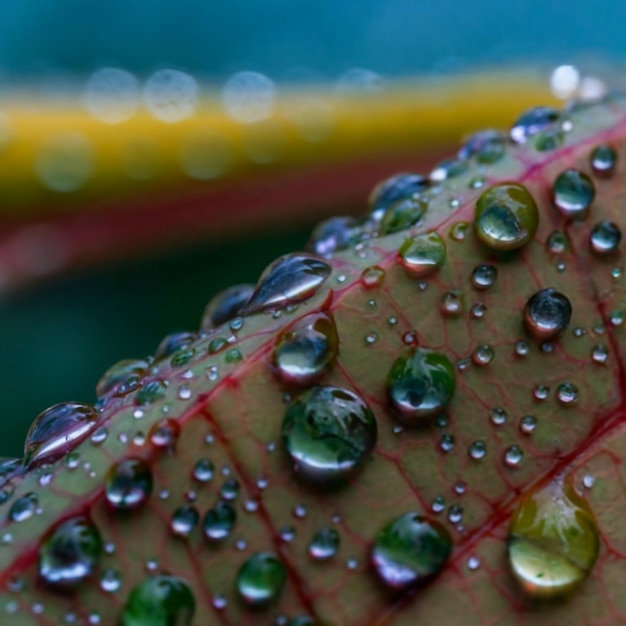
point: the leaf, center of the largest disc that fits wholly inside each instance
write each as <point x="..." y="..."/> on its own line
<point x="223" y="395"/>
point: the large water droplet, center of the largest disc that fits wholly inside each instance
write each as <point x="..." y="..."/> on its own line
<point x="261" y="579"/>
<point x="506" y="216"/>
<point x="605" y="237"/>
<point x="532" y="122"/>
<point x="70" y="553"/>
<point x="128" y="484"/>
<point x="324" y="544"/>
<point x="55" y="431"/>
<point x="124" y="376"/>
<point x="420" y="384"/>
<point x="394" y="189"/>
<point x="573" y="193"/>
<point x="306" y="349"/>
<point x="603" y="160"/>
<point x="409" y="550"/>
<point x="290" y="279"/>
<point x="553" y="541"/>
<point x="160" y="601"/>
<point x="547" y="313"/>
<point x="219" y="521"/>
<point x="225" y="305"/>
<point x="422" y="254"/>
<point x="328" y="432"/>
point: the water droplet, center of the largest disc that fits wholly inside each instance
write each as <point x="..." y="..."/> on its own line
<point x="24" y="507"/>
<point x="128" y="484"/>
<point x="458" y="231"/>
<point x="473" y="563"/>
<point x="478" y="310"/>
<point x="513" y="456"/>
<point x="477" y="450"/>
<point x="605" y="237"/>
<point x="484" y="276"/>
<point x="420" y="384"/>
<point x="446" y="443"/>
<point x="55" y="431"/>
<point x="409" y="550"/>
<point x="70" y="553"/>
<point x="532" y="122"/>
<point x="573" y="193"/>
<point x="324" y="544"/>
<point x="110" y="580"/>
<point x="150" y="392"/>
<point x="261" y="579"/>
<point x="422" y="254"/>
<point x="203" y="470"/>
<point x="230" y="489"/>
<point x="498" y="416"/>
<point x="603" y="160"/>
<point x="184" y="519"/>
<point x="455" y="514"/>
<point x="124" y="376"/>
<point x="174" y="342"/>
<point x="305" y="350"/>
<point x="487" y="146"/>
<point x="161" y="600"/>
<point x="553" y="541"/>
<point x="567" y="394"/>
<point x="506" y="217"/>
<point x="219" y="521"/>
<point x="549" y="139"/>
<point x="547" y="313"/>
<point x="328" y="432"/>
<point x="226" y="305"/>
<point x="589" y="481"/>
<point x="287" y="533"/>
<point x="339" y="233"/>
<point x="394" y="189"/>
<point x="290" y="279"/>
<point x="450" y="168"/>
<point x="558" y="242"/>
<point x="372" y="277"/>
<point x="164" y="433"/>
<point x="483" y="355"/>
<point x="599" y="354"/>
<point x="452" y="303"/>
<point x="403" y="214"/>
<point x="527" y="424"/>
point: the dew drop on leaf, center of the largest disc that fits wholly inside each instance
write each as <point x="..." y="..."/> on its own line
<point x="567" y="393"/>
<point x="605" y="237"/>
<point x="532" y="122"/>
<point x="573" y="193"/>
<point x="219" y="521"/>
<point x="290" y="279"/>
<point x="393" y="189"/>
<point x="486" y="146"/>
<point x="409" y="550"/>
<point x="547" y="313"/>
<point x="164" y="433"/>
<point x="203" y="470"/>
<point x="477" y="450"/>
<point x="55" y="431"/>
<point x="558" y="242"/>
<point x="452" y="303"/>
<point x="184" y="519"/>
<point x="603" y="160"/>
<point x="372" y="277"/>
<point x="403" y="214"/>
<point x="328" y="432"/>
<point x="226" y="305"/>
<point x="506" y="217"/>
<point x="123" y="376"/>
<point x="484" y="276"/>
<point x="173" y="343"/>
<point x="422" y="254"/>
<point x="128" y="484"/>
<point x="420" y="383"/>
<point x="150" y="392"/>
<point x="24" y="507"/>
<point x="261" y="579"/>
<point x="70" y="553"/>
<point x="483" y="355"/>
<point x="324" y="544"/>
<point x="513" y="456"/>
<point x="159" y="601"/>
<point x="306" y="350"/>
<point x="527" y="424"/>
<point x="553" y="541"/>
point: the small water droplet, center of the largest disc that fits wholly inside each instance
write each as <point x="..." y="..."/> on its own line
<point x="527" y="424"/>
<point x="403" y="214"/>
<point x="128" y="484"/>
<point x="589" y="480"/>
<point x="486" y="146"/>
<point x="603" y="160"/>
<point x="150" y="392"/>
<point x="541" y="392"/>
<point x="567" y="393"/>
<point x="599" y="354"/>
<point x="455" y="514"/>
<point x="446" y="442"/>
<point x="484" y="276"/>
<point x="24" y="507"/>
<point x="225" y="305"/>
<point x="184" y="519"/>
<point x="164" y="433"/>
<point x="547" y="313"/>
<point x="477" y="450"/>
<point x="261" y="579"/>
<point x="483" y="355"/>
<point x="393" y="189"/>
<point x="410" y="549"/>
<point x="513" y="456"/>
<point x="422" y="254"/>
<point x="452" y="303"/>
<point x="203" y="470"/>
<point x="558" y="242"/>
<point x="324" y="544"/>
<point x="372" y="277"/>
<point x="110" y="580"/>
<point x="458" y="231"/>
<point x="219" y="521"/>
<point x="124" y="376"/>
<point x="605" y="237"/>
<point x="573" y="193"/>
<point x="438" y="504"/>
<point x="498" y="416"/>
<point x="532" y="122"/>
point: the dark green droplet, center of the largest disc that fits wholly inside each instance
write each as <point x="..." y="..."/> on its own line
<point x="128" y="484"/>
<point x="261" y="579"/>
<point x="420" y="384"/>
<point x="603" y="160"/>
<point x="422" y="254"/>
<point x="328" y="432"/>
<point x="70" y="553"/>
<point x="403" y="214"/>
<point x="150" y="392"/>
<point x="160" y="601"/>
<point x="219" y="521"/>
<point x="573" y="193"/>
<point x="409" y="550"/>
<point x="506" y="217"/>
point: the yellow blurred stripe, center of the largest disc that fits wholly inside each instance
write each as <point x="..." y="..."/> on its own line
<point x="57" y="158"/>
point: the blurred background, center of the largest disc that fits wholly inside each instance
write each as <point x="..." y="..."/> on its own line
<point x="154" y="152"/>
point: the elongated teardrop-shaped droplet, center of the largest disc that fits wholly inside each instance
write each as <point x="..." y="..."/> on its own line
<point x="605" y="237"/>
<point x="532" y="122"/>
<point x="328" y="432"/>
<point x="403" y="214"/>
<point x="261" y="579"/>
<point x="506" y="217"/>
<point x="225" y="305"/>
<point x="420" y="384"/>
<point x="409" y="550"/>
<point x="160" y="601"/>
<point x="55" y="431"/>
<point x="70" y="553"/>
<point x="290" y="279"/>
<point x="422" y="254"/>
<point x="306" y="350"/>
<point x="547" y="313"/>
<point x="553" y="541"/>
<point x="603" y="160"/>
<point x="128" y="484"/>
<point x="219" y="521"/>
<point x="573" y="193"/>
<point x="391" y="190"/>
<point x="124" y="376"/>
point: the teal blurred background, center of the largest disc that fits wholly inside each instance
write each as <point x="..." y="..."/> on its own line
<point x="58" y="337"/>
